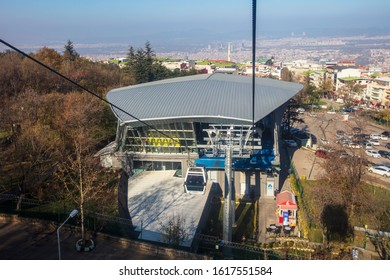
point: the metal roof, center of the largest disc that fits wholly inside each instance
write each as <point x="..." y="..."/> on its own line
<point x="213" y="98"/>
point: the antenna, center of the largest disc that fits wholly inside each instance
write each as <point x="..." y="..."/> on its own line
<point x="229" y="50"/>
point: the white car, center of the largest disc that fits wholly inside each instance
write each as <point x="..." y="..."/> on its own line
<point x="355" y="146"/>
<point x="380" y="169"/>
<point x="375" y="136"/>
<point x="373" y="153"/>
<point x="369" y="146"/>
<point x="301" y="110"/>
<point x="384" y="137"/>
<point x="374" y="142"/>
<point x="291" y="143"/>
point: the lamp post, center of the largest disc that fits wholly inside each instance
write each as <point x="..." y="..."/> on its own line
<point x="71" y="215"/>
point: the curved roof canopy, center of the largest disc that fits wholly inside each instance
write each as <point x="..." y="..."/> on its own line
<point x="213" y="98"/>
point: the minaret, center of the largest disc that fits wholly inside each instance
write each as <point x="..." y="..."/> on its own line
<point x="229" y="47"/>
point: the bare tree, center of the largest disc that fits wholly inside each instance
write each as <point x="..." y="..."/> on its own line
<point x="80" y="172"/>
<point x="174" y="231"/>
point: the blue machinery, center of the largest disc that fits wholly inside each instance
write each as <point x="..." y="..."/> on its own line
<point x="229" y="148"/>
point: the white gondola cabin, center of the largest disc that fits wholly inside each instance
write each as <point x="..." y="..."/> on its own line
<point x="195" y="180"/>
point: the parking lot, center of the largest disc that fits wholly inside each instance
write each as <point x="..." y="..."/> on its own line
<point x="332" y="133"/>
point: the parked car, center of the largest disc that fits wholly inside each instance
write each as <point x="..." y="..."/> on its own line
<point x="384" y="137"/>
<point x="345" y="142"/>
<point x="375" y="136"/>
<point x="386" y="133"/>
<point x="344" y="155"/>
<point x="380" y="169"/>
<point x="387" y="145"/>
<point x="365" y="136"/>
<point x="373" y="153"/>
<point x="374" y="142"/>
<point x="384" y="154"/>
<point x="356" y="130"/>
<point x="291" y="143"/>
<point x="294" y="130"/>
<point x="354" y="145"/>
<point x="340" y="133"/>
<point x="368" y="146"/>
<point x="300" y="110"/>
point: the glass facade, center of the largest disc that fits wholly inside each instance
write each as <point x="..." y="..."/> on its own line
<point x="178" y="137"/>
<point x="140" y="165"/>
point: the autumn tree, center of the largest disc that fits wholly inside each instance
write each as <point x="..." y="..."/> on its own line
<point x="321" y="200"/>
<point x="11" y="79"/>
<point x="33" y="153"/>
<point x="326" y="85"/>
<point x="80" y="172"/>
<point x="345" y="174"/>
<point x="384" y="116"/>
<point x="287" y="75"/>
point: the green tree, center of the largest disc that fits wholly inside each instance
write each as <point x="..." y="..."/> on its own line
<point x="144" y="67"/>
<point x="70" y="53"/>
<point x="384" y="116"/>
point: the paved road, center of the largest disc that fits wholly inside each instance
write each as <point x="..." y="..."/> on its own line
<point x="26" y="241"/>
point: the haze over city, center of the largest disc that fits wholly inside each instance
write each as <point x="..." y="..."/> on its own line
<point x="177" y="25"/>
<point x="158" y="130"/>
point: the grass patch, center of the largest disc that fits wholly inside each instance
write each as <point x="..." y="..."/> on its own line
<point x="244" y="222"/>
<point x="371" y="211"/>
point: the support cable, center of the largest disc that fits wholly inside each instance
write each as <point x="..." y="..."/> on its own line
<point x="84" y="88"/>
<point x="253" y="69"/>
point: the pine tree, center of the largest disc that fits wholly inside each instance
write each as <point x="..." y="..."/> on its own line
<point x="70" y="53"/>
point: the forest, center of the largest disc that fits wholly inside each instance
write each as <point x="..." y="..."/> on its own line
<point x="51" y="129"/>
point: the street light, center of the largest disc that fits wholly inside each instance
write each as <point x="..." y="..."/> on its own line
<point x="71" y="215"/>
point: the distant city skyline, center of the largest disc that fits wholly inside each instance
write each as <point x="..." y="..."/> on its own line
<point x="167" y="23"/>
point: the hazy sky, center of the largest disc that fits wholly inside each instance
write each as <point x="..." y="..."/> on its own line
<point x="181" y="21"/>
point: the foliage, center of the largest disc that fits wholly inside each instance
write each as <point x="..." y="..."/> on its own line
<point x="143" y="66"/>
<point x="290" y="115"/>
<point x="174" y="232"/>
<point x="19" y="74"/>
<point x="52" y="130"/>
<point x="302" y="213"/>
<point x="70" y="53"/>
<point x="287" y="75"/>
<point x="383" y="116"/>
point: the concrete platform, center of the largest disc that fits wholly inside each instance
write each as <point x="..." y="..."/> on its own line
<point x="157" y="196"/>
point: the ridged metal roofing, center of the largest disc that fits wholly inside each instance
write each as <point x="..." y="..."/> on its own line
<point x="213" y="98"/>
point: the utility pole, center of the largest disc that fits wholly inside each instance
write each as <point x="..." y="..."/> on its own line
<point x="229" y="203"/>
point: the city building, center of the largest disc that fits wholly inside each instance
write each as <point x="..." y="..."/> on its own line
<point x="339" y="74"/>
<point x="378" y="92"/>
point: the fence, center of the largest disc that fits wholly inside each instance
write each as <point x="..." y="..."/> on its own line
<point x="93" y="222"/>
<point x="217" y="248"/>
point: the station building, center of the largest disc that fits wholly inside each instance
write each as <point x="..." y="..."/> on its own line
<point x="193" y="119"/>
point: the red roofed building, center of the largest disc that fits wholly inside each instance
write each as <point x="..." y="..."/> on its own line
<point x="287" y="208"/>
